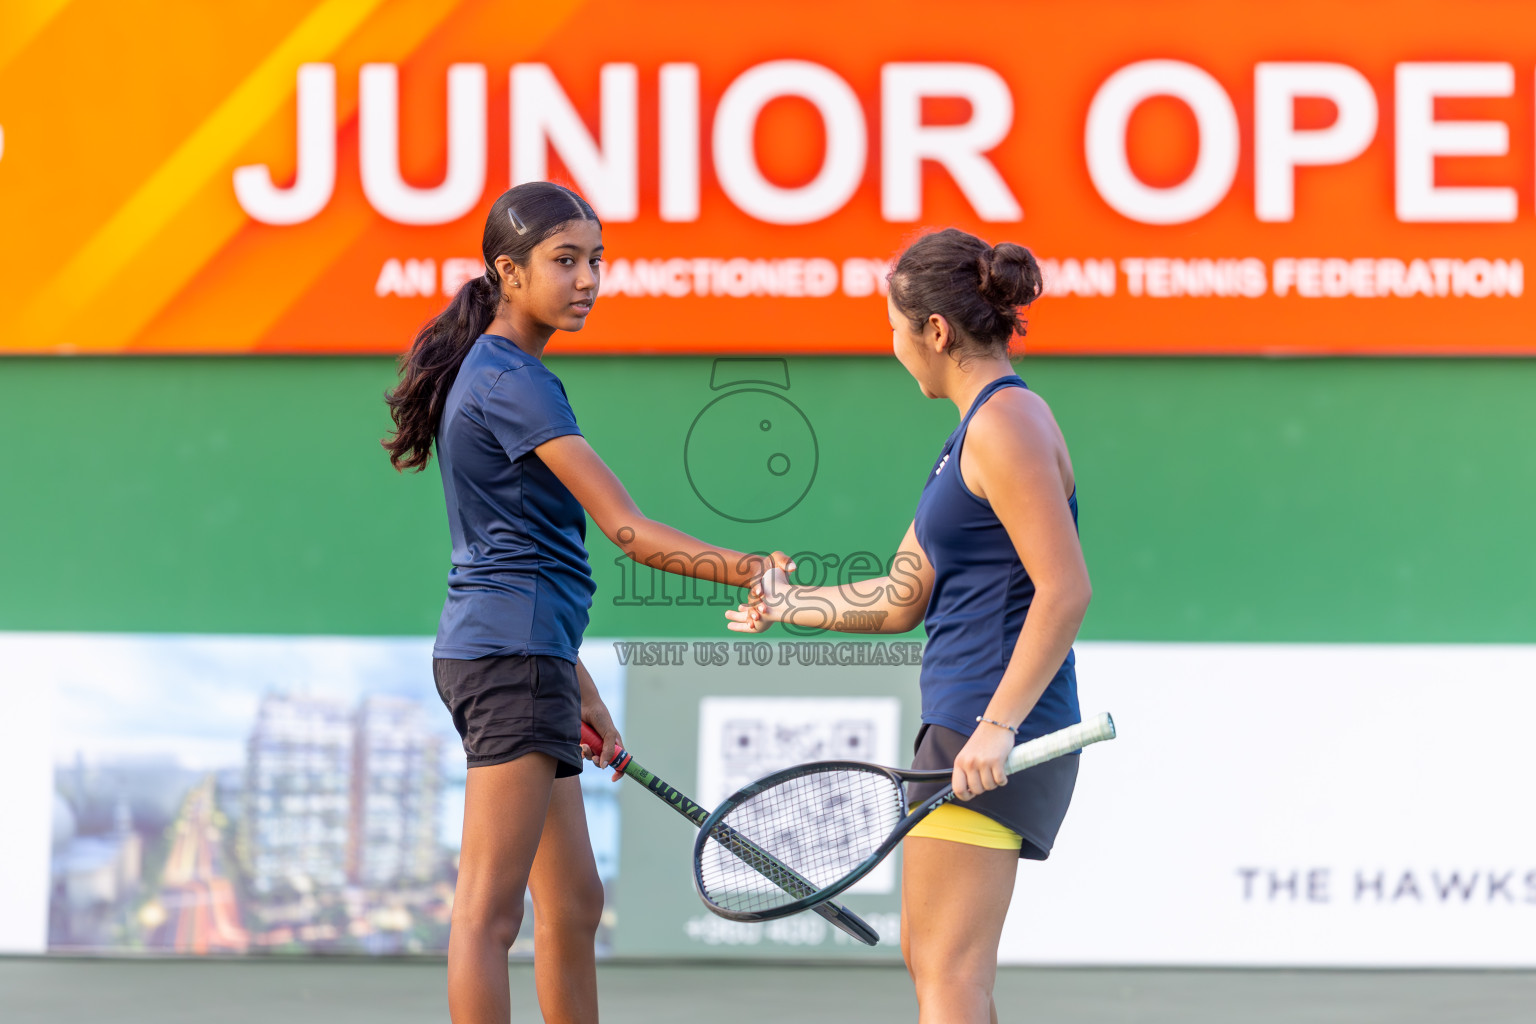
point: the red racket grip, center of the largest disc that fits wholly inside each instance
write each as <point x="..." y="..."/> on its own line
<point x="594" y="743"/>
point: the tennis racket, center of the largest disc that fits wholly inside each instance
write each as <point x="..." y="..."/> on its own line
<point x="765" y="866"/>
<point x="830" y="823"/>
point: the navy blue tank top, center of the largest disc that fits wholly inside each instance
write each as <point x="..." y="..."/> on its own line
<point x="981" y="596"/>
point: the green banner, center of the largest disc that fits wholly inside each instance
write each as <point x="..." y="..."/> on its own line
<point x="1235" y="500"/>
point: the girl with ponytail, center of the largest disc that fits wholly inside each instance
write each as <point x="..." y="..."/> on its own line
<point x="519" y="481"/>
<point x="992" y="569"/>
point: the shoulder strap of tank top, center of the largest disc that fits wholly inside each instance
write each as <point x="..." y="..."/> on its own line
<point x="1011" y="381"/>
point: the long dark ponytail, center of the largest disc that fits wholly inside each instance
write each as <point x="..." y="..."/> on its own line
<point x="519" y="220"/>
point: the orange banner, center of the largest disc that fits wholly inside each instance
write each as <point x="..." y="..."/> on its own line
<point x="1196" y="177"/>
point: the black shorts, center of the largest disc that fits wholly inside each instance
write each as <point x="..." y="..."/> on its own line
<point x="505" y="706"/>
<point x="1033" y="803"/>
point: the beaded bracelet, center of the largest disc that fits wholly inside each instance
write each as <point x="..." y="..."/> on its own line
<point x="1010" y="728"/>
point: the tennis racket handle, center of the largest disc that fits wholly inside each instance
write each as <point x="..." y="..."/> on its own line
<point x="848" y="922"/>
<point x="594" y="743"/>
<point x="1062" y="741"/>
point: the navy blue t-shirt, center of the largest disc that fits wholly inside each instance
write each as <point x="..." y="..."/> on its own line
<point x="520" y="582"/>
<point x="981" y="596"/>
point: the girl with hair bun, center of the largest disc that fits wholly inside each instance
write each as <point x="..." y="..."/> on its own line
<point x="991" y="567"/>
<point x="520" y="481"/>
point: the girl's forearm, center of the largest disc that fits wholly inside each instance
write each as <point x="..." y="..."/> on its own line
<point x="1048" y="634"/>
<point x="586" y="684"/>
<point x="870" y="606"/>
<point x="662" y="547"/>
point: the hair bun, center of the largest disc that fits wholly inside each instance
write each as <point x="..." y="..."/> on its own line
<point x="978" y="288"/>
<point x="1010" y="277"/>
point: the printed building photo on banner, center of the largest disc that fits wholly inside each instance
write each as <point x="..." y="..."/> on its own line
<point x="221" y="795"/>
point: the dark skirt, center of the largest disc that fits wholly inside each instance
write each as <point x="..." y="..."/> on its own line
<point x="1033" y="803"/>
<point x="505" y="706"/>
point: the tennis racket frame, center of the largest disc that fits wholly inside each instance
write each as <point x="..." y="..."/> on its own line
<point x="1055" y="744"/>
<point x="838" y="916"/>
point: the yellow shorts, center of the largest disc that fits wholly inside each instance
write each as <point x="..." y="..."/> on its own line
<point x="963" y="825"/>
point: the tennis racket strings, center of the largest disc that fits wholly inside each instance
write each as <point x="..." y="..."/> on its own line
<point x="821" y="825"/>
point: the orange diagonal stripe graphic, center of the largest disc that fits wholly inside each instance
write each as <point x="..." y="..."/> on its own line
<point x="21" y="21"/>
<point x="290" y="270"/>
<point x="205" y="153"/>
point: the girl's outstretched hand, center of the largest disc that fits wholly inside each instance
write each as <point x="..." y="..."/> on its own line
<point x="765" y="598"/>
<point x="746" y="618"/>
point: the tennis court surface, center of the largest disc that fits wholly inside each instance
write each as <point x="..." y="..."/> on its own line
<point x="66" y="991"/>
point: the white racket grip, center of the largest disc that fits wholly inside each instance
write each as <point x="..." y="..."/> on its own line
<point x="1062" y="741"/>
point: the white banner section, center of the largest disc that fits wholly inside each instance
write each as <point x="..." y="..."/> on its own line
<point x="26" y="796"/>
<point x="1273" y="805"/>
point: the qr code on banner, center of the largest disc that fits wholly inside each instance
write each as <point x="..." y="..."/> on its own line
<point x="741" y="739"/>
